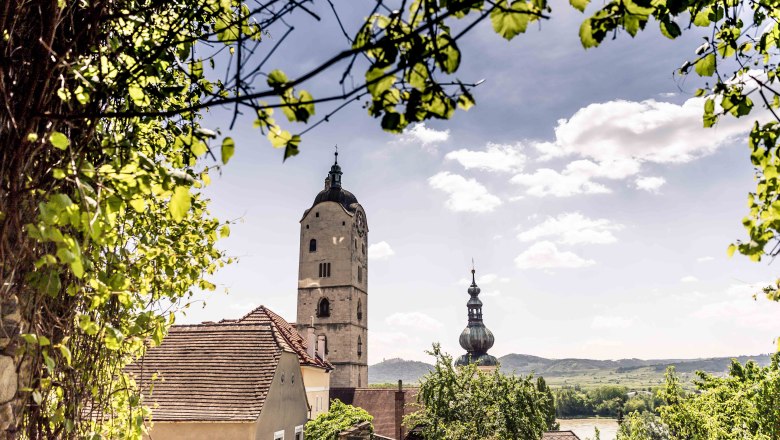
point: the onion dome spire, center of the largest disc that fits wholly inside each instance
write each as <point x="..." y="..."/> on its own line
<point x="476" y="339"/>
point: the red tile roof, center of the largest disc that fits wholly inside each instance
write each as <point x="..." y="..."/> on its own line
<point x="292" y="338"/>
<point x="210" y="372"/>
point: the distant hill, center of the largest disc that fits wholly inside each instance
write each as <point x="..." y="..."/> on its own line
<point x="632" y="372"/>
<point x="390" y="370"/>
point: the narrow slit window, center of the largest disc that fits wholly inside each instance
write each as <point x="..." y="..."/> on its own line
<point x="360" y="274"/>
<point x="360" y="346"/>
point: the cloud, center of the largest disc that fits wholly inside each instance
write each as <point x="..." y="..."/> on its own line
<point x="573" y="228"/>
<point x="380" y="251"/>
<point x="705" y="259"/>
<point x="689" y="279"/>
<point x="747" y="290"/>
<point x="495" y="157"/>
<point x="547" y="182"/>
<point x="427" y="137"/>
<point x="416" y="320"/>
<point x="611" y="140"/>
<point x="650" y="184"/>
<point x="646" y="131"/>
<point x="465" y="195"/>
<point x="545" y="255"/>
<point x="612" y="322"/>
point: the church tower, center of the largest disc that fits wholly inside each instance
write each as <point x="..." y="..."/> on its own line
<point x="476" y="339"/>
<point x="333" y="279"/>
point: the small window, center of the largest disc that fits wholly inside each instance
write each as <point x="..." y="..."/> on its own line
<point x="312" y="245"/>
<point x="307" y="226"/>
<point x="343" y="223"/>
<point x="364" y="249"/>
<point x="279" y="435"/>
<point x="360" y="274"/>
<point x="360" y="310"/>
<point x="356" y="244"/>
<point x="316" y="214"/>
<point x="299" y="432"/>
<point x="323" y="310"/>
<point x="360" y="346"/>
<point x="324" y="270"/>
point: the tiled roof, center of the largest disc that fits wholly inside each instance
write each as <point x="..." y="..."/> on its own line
<point x="559" y="435"/>
<point x="210" y="372"/>
<point x="290" y="335"/>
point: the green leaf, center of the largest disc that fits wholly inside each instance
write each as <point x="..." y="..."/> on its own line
<point x="448" y="56"/>
<point x="377" y="86"/>
<point x="228" y="148"/>
<point x="586" y="35"/>
<point x="59" y="140"/>
<point x="277" y="79"/>
<point x="509" y="21"/>
<point x="579" y="4"/>
<point x="65" y="351"/>
<point x="670" y="29"/>
<point x="224" y="231"/>
<point x="180" y="203"/>
<point x="706" y="65"/>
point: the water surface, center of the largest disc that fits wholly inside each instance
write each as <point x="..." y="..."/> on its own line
<point x="584" y="428"/>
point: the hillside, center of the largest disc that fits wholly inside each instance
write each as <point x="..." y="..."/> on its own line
<point x="628" y="372"/>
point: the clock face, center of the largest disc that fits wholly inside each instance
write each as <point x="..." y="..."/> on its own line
<point x="360" y="223"/>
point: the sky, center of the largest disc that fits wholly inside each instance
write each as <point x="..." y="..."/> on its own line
<point x="596" y="208"/>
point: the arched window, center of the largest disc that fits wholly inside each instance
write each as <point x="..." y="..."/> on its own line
<point x="360" y="346"/>
<point x="360" y="310"/>
<point x="323" y="308"/>
<point x="312" y="245"/>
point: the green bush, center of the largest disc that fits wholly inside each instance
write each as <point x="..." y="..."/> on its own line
<point x="339" y="417"/>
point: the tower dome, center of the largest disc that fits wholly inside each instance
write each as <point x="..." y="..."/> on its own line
<point x="476" y="339"/>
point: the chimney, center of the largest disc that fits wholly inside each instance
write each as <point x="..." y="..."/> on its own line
<point x="321" y="346"/>
<point x="311" y="339"/>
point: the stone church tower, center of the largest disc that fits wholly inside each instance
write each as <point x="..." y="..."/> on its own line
<point x="333" y="280"/>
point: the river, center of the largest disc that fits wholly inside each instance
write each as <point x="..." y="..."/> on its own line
<point x="584" y="427"/>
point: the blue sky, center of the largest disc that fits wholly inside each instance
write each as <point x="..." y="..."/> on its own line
<point x="596" y="208"/>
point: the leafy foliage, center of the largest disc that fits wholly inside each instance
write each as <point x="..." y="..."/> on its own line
<point x="339" y="417"/>
<point x="745" y="404"/>
<point x="467" y="403"/>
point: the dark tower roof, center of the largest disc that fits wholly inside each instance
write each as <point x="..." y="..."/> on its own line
<point x="476" y="339"/>
<point x="333" y="191"/>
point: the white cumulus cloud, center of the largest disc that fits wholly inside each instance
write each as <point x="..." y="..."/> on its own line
<point x="545" y="255"/>
<point x="573" y="228"/>
<point x="495" y="157"/>
<point x="689" y="279"/>
<point x="648" y="131"/>
<point x="380" y="251"/>
<point x="650" y="183"/>
<point x="611" y="140"/>
<point x="465" y="195"/>
<point x="547" y="182"/>
<point x="417" y="320"/>
<point x="705" y="259"/>
<point x="426" y="137"/>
